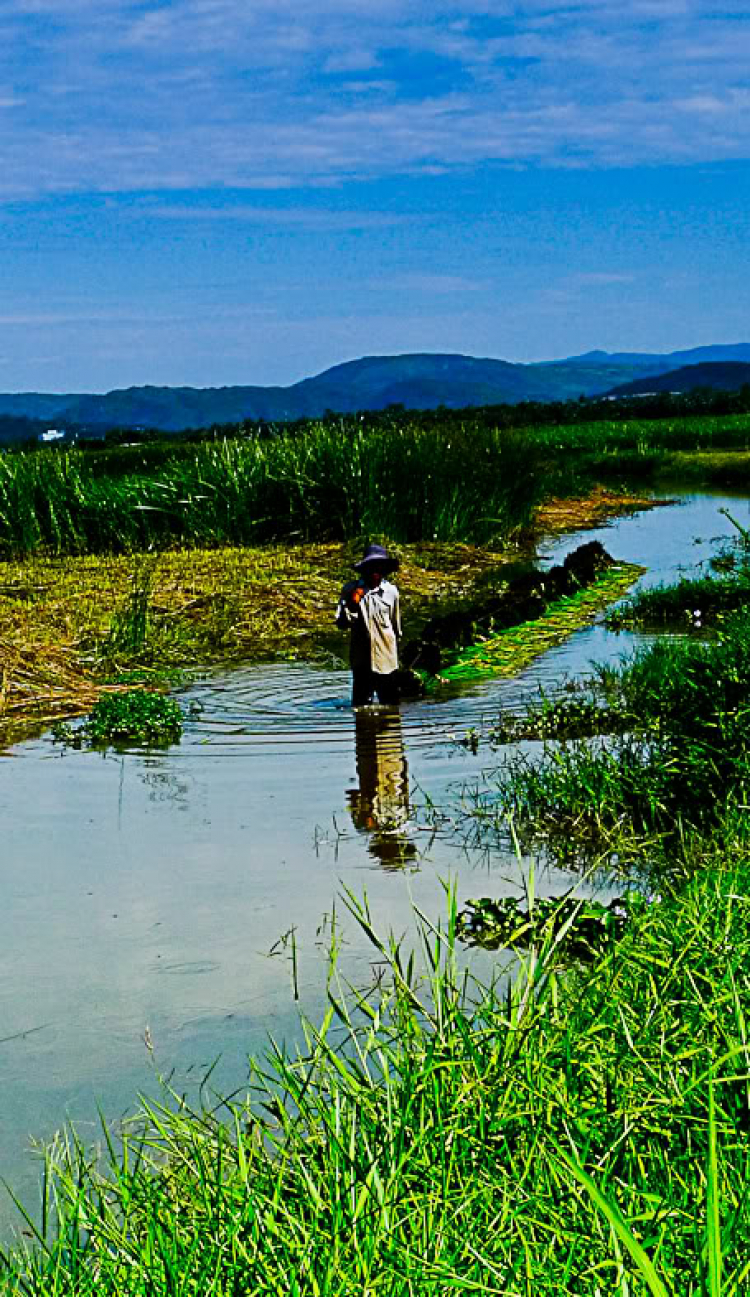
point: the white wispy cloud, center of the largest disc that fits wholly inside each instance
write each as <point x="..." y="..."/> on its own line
<point x="123" y="95"/>
<point x="600" y="279"/>
<point x="412" y="282"/>
<point x="353" y="59"/>
<point x="314" y="218"/>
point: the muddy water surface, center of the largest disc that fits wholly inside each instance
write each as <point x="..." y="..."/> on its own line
<point x="145" y="895"/>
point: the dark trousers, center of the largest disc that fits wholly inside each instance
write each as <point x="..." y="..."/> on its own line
<point x="366" y="684"/>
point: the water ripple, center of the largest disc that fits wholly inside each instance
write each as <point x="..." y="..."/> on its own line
<point x="286" y="704"/>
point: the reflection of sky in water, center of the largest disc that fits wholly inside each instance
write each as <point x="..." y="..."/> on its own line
<point x="147" y="889"/>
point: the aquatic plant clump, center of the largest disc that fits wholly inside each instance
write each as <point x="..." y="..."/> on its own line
<point x="132" y="716"/>
<point x="696" y="604"/>
<point x="581" y="928"/>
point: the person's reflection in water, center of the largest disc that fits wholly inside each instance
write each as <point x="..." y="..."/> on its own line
<point x="380" y="805"/>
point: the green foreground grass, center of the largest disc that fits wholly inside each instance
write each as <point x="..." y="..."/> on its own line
<point x="574" y="1132"/>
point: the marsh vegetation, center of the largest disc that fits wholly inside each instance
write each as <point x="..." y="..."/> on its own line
<point x="443" y="476"/>
<point x="336" y="483"/>
<point x="115" y="566"/>
<point x="566" y="1125"/>
<point x="675" y="759"/>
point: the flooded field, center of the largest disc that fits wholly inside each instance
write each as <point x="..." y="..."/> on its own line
<point x="148" y="897"/>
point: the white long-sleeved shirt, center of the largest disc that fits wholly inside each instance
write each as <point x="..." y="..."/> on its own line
<point x="375" y="625"/>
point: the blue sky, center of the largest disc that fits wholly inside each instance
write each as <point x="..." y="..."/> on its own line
<point x="239" y="191"/>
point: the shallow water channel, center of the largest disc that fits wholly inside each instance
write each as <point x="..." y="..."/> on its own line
<point x="143" y="892"/>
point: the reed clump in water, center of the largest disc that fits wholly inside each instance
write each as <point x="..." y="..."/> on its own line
<point x="582" y="1130"/>
<point x="691" y="604"/>
<point x="696" y="603"/>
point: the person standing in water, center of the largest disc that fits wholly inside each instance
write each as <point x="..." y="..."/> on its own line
<point x="369" y="609"/>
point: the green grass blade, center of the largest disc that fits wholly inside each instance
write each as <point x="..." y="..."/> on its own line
<point x="713" y="1224"/>
<point x="620" y="1226"/>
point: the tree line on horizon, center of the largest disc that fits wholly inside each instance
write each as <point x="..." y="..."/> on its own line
<point x="22" y="433"/>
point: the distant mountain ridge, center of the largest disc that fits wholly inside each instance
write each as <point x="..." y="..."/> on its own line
<point x="417" y="381"/>
<point x="724" y="376"/>
<point x="737" y="351"/>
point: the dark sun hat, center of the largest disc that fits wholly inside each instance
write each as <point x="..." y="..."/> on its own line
<point x="376" y="556"/>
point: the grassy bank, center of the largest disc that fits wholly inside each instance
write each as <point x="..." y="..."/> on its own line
<point x="693" y="451"/>
<point x="653" y="748"/>
<point x="583" y="1132"/>
<point x="699" y="433"/>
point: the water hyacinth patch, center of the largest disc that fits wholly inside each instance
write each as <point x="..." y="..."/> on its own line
<point x="582" y="928"/>
<point x="134" y="716"/>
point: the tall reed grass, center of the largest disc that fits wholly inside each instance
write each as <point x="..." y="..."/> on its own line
<point x="700" y="450"/>
<point x="574" y="1132"/>
<point x="450" y="478"/>
<point x="335" y="482"/>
